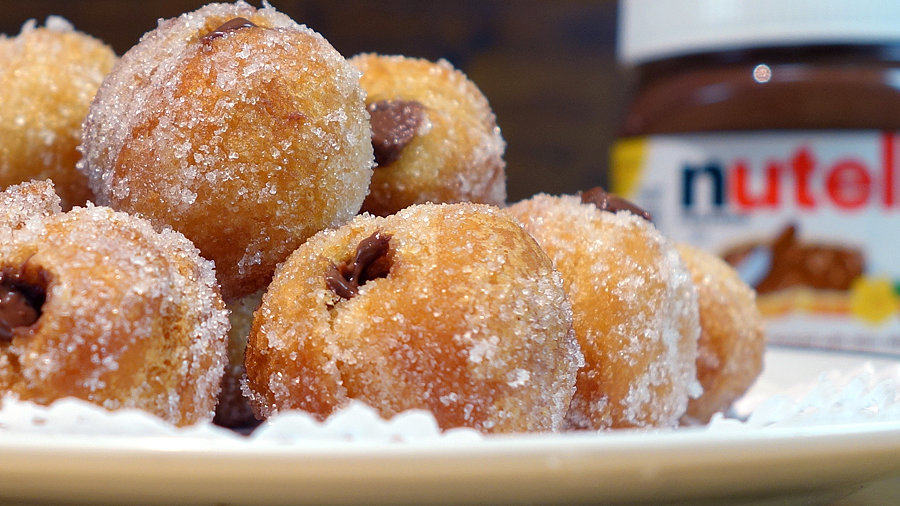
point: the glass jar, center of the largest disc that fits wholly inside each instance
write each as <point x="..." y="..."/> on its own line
<point x="768" y="132"/>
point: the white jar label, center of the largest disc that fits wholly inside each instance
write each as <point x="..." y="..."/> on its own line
<point x="811" y="219"/>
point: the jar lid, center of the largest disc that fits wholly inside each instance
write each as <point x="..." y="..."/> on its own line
<point x="658" y="29"/>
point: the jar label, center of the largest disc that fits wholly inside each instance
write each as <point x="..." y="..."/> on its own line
<point x="811" y="219"/>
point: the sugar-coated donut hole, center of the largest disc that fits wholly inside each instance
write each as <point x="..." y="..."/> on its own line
<point x="48" y="76"/>
<point x="732" y="337"/>
<point x="264" y="124"/>
<point x="131" y="316"/>
<point x="451" y="148"/>
<point x="470" y="322"/>
<point x="635" y="312"/>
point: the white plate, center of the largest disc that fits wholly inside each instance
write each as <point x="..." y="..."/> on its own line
<point x="776" y="464"/>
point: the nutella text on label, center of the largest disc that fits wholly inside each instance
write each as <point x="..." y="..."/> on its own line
<point x="833" y="193"/>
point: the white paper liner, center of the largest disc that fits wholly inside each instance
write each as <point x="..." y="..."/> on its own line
<point x="864" y="394"/>
<point x="356" y="422"/>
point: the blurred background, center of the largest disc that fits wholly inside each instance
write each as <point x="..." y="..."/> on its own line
<point x="547" y="66"/>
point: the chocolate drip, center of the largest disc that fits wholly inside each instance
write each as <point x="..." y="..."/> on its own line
<point x="227" y="27"/>
<point x="606" y="201"/>
<point x="369" y="262"/>
<point x="20" y="306"/>
<point x="394" y="124"/>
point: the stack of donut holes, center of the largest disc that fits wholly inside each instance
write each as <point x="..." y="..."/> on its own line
<point x="256" y="224"/>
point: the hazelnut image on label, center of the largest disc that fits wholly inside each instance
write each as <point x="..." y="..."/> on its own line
<point x="451" y="308"/>
<point x="238" y="127"/>
<point x="96" y="304"/>
<point x="635" y="308"/>
<point x="434" y="134"/>
<point x="48" y="77"/>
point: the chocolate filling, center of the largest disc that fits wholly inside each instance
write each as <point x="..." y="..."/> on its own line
<point x="227" y="27"/>
<point x="606" y="201"/>
<point x="394" y="124"/>
<point x="369" y="262"/>
<point x="20" y="306"/>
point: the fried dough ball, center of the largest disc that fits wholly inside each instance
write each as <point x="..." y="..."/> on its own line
<point x="635" y="312"/>
<point x="48" y="76"/>
<point x="451" y="308"/>
<point x="96" y="304"/>
<point x="435" y="136"/>
<point x="233" y="409"/>
<point x="237" y="127"/>
<point x="732" y="336"/>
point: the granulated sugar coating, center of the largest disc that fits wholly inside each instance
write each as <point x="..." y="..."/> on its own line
<point x="48" y="76"/>
<point x="457" y="311"/>
<point x="125" y="316"/>
<point x="248" y="138"/>
<point x="732" y="337"/>
<point x="455" y="152"/>
<point x="635" y="312"/>
<point x="20" y="203"/>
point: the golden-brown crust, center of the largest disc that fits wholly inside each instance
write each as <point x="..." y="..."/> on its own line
<point x="635" y="312"/>
<point x="470" y="323"/>
<point x="247" y="144"/>
<point x="457" y="154"/>
<point x="732" y="336"/>
<point x="132" y="317"/>
<point x="48" y="76"/>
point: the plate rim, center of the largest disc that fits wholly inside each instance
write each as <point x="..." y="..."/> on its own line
<point x="569" y="467"/>
<point x="685" y="464"/>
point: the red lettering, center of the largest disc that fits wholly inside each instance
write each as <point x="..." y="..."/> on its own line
<point x="848" y="184"/>
<point x="887" y="151"/>
<point x="741" y="187"/>
<point x="803" y="165"/>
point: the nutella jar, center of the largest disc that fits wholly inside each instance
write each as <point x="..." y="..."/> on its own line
<point x="768" y="131"/>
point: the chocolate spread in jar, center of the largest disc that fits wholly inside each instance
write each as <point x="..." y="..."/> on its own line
<point x="809" y="87"/>
<point x="771" y="136"/>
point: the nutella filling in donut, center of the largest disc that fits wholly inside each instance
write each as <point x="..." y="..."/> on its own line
<point x="394" y="124"/>
<point x="606" y="201"/>
<point x="227" y="27"/>
<point x="20" y="306"/>
<point x="369" y="262"/>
